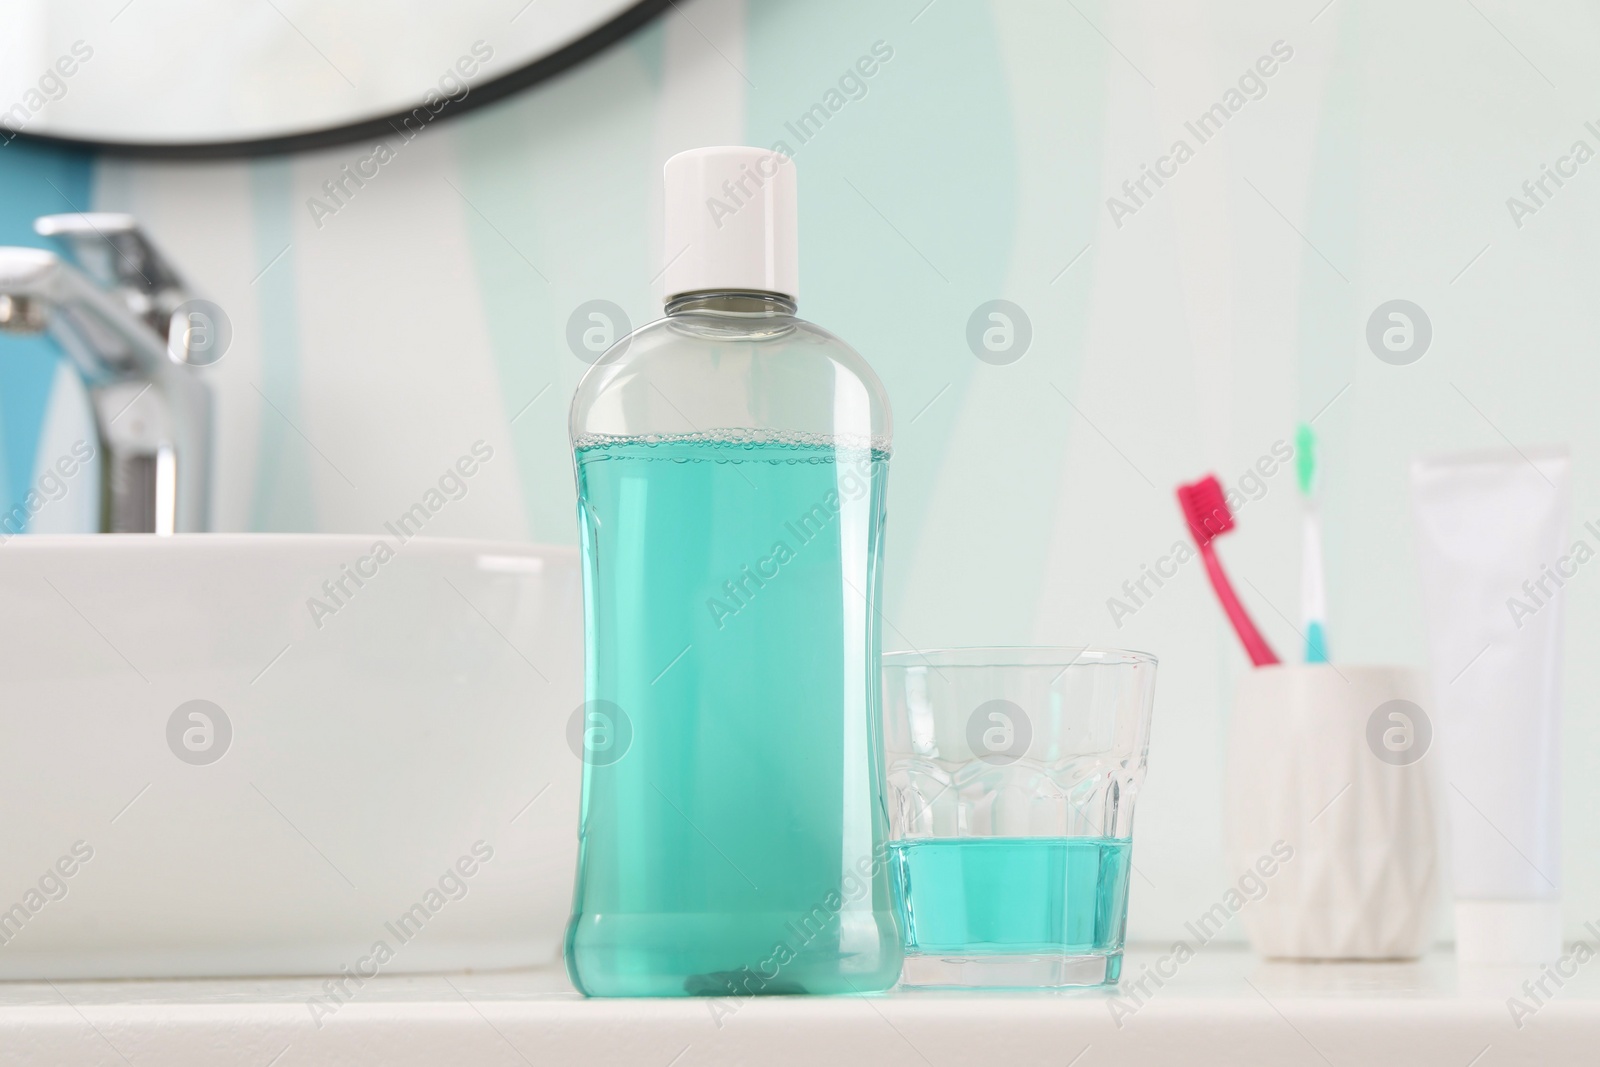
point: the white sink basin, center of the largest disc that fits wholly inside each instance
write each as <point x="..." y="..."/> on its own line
<point x="382" y="745"/>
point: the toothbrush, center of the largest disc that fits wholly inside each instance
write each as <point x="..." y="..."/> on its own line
<point x="1313" y="593"/>
<point x="1206" y="509"/>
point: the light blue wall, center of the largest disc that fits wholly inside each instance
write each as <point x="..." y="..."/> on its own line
<point x="282" y="486"/>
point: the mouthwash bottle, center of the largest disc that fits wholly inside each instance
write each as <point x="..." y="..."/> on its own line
<point x="731" y="461"/>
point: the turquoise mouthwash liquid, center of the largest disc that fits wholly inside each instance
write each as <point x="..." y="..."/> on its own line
<point x="980" y="896"/>
<point x="732" y="836"/>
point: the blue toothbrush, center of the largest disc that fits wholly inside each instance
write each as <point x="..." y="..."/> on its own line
<point x="1313" y="594"/>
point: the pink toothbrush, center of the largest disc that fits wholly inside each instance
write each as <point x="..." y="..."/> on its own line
<point x="1206" y="509"/>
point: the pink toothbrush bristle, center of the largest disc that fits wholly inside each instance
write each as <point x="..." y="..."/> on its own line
<point x="1205" y="506"/>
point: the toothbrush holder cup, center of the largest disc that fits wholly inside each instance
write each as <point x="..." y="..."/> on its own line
<point x="1334" y="764"/>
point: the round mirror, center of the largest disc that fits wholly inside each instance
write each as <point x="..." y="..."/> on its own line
<point x="197" y="77"/>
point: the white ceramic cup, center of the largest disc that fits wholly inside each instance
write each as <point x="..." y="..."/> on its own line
<point x="1335" y="763"/>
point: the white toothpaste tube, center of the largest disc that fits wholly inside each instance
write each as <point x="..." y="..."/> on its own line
<point x="1491" y="532"/>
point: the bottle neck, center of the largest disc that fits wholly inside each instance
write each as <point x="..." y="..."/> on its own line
<point x="737" y="303"/>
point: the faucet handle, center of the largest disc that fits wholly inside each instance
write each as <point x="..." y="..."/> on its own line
<point x="94" y="223"/>
<point x="110" y="248"/>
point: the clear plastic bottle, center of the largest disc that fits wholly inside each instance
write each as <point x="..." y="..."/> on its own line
<point x="731" y="463"/>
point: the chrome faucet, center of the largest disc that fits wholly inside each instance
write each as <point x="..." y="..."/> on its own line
<point x="113" y="305"/>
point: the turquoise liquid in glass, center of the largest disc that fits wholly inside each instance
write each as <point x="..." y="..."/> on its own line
<point x="737" y="844"/>
<point x="981" y="896"/>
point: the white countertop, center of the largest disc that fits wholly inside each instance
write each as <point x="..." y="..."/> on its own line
<point x="1223" y="1007"/>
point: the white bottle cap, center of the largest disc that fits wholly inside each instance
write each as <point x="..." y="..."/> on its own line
<point x="732" y="222"/>
<point x="1508" y="931"/>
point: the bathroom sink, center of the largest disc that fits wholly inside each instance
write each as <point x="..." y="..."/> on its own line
<point x="269" y="754"/>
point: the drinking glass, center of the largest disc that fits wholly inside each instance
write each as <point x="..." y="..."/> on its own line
<point x="1011" y="777"/>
